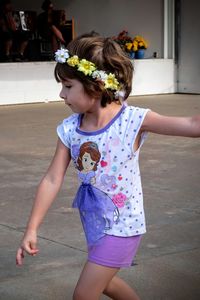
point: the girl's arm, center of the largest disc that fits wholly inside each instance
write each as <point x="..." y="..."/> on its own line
<point x="177" y="126"/>
<point x="46" y="193"/>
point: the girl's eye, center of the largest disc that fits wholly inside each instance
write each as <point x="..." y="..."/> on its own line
<point x="92" y="164"/>
<point x="68" y="86"/>
<point x="85" y="159"/>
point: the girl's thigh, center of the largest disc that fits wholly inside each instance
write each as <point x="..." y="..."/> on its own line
<point x="93" y="280"/>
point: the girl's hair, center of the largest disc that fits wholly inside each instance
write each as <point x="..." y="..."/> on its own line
<point x="92" y="149"/>
<point x="107" y="55"/>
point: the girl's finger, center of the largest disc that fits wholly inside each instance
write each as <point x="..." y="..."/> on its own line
<point x="20" y="256"/>
<point x="34" y="252"/>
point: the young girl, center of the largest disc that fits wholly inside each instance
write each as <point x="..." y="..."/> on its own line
<point x="103" y="137"/>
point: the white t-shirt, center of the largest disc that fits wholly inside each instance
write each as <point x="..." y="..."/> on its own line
<point x="111" y="164"/>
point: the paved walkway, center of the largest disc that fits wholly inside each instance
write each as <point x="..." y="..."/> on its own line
<point x="168" y="263"/>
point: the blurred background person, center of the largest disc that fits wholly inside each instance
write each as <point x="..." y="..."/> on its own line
<point x="13" y="39"/>
<point x="50" y="24"/>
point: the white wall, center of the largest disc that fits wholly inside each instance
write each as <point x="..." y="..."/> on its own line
<point x="153" y="76"/>
<point x="28" y="82"/>
<point x="34" y="82"/>
<point x="109" y="17"/>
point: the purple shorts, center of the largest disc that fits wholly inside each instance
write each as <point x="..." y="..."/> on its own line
<point x="114" y="251"/>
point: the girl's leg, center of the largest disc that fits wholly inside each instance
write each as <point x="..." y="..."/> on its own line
<point x="118" y="289"/>
<point x="96" y="280"/>
<point x="93" y="281"/>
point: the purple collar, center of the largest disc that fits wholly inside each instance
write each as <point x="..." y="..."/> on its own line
<point x="99" y="131"/>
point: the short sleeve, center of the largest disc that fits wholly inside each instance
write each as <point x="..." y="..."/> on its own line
<point x="65" y="130"/>
<point x="135" y="120"/>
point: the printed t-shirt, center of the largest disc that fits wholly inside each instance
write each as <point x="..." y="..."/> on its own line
<point x="106" y="159"/>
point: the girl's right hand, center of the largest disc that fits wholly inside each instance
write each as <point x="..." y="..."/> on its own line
<point x="28" y="245"/>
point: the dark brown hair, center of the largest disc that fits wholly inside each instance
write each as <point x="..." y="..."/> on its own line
<point x="107" y="55"/>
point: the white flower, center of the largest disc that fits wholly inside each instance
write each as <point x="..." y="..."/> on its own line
<point x="61" y="55"/>
<point x="100" y="75"/>
<point x="120" y="94"/>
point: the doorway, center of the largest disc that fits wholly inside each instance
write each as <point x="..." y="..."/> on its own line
<point x="187" y="45"/>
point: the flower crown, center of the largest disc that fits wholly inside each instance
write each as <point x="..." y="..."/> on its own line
<point x="89" y="69"/>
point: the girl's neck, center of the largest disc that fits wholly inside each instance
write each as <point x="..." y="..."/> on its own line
<point x="99" y="117"/>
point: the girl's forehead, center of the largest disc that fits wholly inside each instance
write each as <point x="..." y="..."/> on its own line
<point x="70" y="81"/>
<point x="67" y="80"/>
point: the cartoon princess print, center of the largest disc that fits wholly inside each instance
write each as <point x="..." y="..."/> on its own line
<point x="87" y="162"/>
<point x="97" y="210"/>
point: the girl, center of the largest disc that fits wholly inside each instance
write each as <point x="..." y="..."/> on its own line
<point x="103" y="138"/>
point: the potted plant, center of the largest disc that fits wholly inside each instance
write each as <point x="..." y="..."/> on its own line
<point x="123" y="39"/>
<point x="133" y="47"/>
<point x="139" y="46"/>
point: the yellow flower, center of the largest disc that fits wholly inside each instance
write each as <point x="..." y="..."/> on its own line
<point x="135" y="47"/>
<point x="140" y="44"/>
<point x="86" y="67"/>
<point x="137" y="38"/>
<point x="73" y="61"/>
<point x="145" y="45"/>
<point x="111" y="82"/>
<point x="129" y="46"/>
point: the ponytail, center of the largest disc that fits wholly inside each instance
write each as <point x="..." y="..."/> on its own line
<point x="118" y="63"/>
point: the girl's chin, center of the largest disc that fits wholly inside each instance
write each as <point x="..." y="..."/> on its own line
<point x="71" y="107"/>
<point x="75" y="110"/>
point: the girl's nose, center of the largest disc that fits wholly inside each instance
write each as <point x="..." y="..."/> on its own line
<point x="62" y="95"/>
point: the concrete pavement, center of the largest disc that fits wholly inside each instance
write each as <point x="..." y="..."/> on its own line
<point x="168" y="262"/>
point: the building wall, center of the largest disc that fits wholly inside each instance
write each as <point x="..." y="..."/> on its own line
<point x="34" y="81"/>
<point x="109" y="17"/>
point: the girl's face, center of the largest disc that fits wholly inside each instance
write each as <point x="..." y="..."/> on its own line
<point x="87" y="162"/>
<point x="75" y="97"/>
